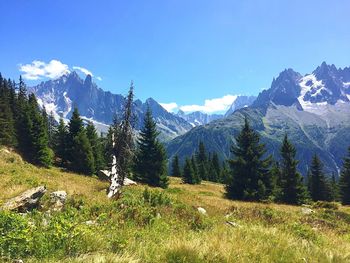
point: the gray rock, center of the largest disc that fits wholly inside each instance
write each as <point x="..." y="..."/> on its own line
<point x="26" y="201"/>
<point x="202" y="211"/>
<point x="58" y="199"/>
<point x="90" y="223"/>
<point x="307" y="211"/>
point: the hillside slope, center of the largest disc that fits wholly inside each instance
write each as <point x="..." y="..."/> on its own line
<point x="157" y="225"/>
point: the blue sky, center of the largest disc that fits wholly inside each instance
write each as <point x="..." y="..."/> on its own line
<point x="180" y="51"/>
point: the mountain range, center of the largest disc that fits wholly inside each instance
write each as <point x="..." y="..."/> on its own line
<point x="313" y="110"/>
<point x="61" y="95"/>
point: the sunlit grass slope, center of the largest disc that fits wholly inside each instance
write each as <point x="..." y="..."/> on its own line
<point x="154" y="225"/>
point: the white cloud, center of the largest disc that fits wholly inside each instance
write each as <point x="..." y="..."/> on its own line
<point x="83" y="70"/>
<point x="170" y="107"/>
<point x="52" y="70"/>
<point x="212" y="105"/>
<point x="39" y="69"/>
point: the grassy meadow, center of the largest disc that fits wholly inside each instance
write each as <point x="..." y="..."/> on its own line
<point x="156" y="225"/>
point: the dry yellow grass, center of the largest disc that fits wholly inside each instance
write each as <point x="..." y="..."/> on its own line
<point x="266" y="232"/>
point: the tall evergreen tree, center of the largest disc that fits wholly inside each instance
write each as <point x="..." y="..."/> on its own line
<point x="79" y="149"/>
<point x="292" y="189"/>
<point x="41" y="153"/>
<point x="150" y="165"/>
<point x="249" y="176"/>
<point x="188" y="175"/>
<point x="202" y="161"/>
<point x="175" y="167"/>
<point x="215" y="169"/>
<point x="7" y="124"/>
<point x="319" y="187"/>
<point x="344" y="181"/>
<point x="51" y="129"/>
<point x="196" y="175"/>
<point x="23" y="121"/>
<point x="61" y="143"/>
<point x="334" y="188"/>
<point x="96" y="145"/>
<point x="122" y="140"/>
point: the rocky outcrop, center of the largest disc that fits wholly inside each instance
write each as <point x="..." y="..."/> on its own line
<point x="58" y="199"/>
<point x="26" y="201"/>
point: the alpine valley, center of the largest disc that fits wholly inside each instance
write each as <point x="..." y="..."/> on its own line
<point x="314" y="110"/>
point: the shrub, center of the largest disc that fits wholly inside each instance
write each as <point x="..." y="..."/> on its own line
<point x="155" y="198"/>
<point x="325" y="204"/>
<point x="183" y="255"/>
<point x="14" y="235"/>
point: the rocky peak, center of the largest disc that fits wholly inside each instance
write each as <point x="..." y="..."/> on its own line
<point x="284" y="90"/>
<point x="88" y="80"/>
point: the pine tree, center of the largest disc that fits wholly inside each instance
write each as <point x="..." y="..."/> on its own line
<point x="122" y="140"/>
<point x="108" y="145"/>
<point x="96" y="146"/>
<point x="61" y="142"/>
<point x="188" y="175"/>
<point x="150" y="165"/>
<point x="225" y="173"/>
<point x="75" y="125"/>
<point x="319" y="188"/>
<point x="292" y="189"/>
<point x="52" y="129"/>
<point x="196" y="175"/>
<point x="7" y="125"/>
<point x="83" y="161"/>
<point x="202" y="161"/>
<point x="344" y="181"/>
<point x="41" y="153"/>
<point x="79" y="150"/>
<point x="175" y="167"/>
<point x="276" y="177"/>
<point x="334" y="188"/>
<point x="22" y="121"/>
<point x="215" y="169"/>
<point x="249" y="178"/>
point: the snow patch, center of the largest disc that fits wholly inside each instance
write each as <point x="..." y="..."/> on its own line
<point x="316" y="84"/>
<point x="346" y="84"/>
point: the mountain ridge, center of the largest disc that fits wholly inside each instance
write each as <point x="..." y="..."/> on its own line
<point x="316" y="124"/>
<point x="61" y="95"/>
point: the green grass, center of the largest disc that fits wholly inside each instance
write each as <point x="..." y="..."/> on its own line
<point x="155" y="225"/>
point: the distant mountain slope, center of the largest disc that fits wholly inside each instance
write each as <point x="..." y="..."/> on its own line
<point x="99" y="106"/>
<point x="239" y="103"/>
<point x="198" y="118"/>
<point x="314" y="110"/>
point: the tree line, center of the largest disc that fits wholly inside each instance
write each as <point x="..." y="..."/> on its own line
<point x="75" y="145"/>
<point x="255" y="176"/>
<point x="200" y="166"/>
<point x="250" y="175"/>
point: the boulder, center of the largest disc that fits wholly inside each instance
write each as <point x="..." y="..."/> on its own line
<point x="58" y="199"/>
<point x="307" y="211"/>
<point x="26" y="201"/>
<point x="202" y="211"/>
